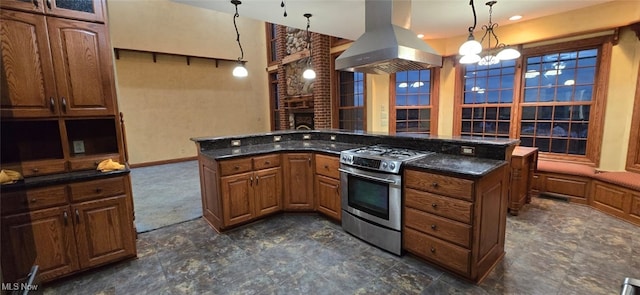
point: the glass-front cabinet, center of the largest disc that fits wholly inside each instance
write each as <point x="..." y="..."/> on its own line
<point x="89" y="10"/>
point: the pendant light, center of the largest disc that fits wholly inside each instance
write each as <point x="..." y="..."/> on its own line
<point x="309" y="73"/>
<point x="239" y="71"/>
<point x="471" y="49"/>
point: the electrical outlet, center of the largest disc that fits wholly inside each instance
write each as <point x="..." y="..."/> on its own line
<point x="333" y="137"/>
<point x="235" y="142"/>
<point x="468" y="150"/>
<point x="78" y="146"/>
<point x="277" y="138"/>
<point x="306" y="136"/>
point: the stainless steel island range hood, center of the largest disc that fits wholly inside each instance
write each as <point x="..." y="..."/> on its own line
<point x="387" y="45"/>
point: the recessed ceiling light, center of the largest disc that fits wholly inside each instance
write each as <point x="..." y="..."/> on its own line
<point x="420" y="36"/>
<point x="515" y="17"/>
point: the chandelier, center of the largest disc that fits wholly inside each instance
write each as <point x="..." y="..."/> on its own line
<point x="309" y="73"/>
<point x="471" y="50"/>
<point x="239" y="71"/>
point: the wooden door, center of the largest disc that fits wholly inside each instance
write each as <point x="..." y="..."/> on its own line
<point x="104" y="230"/>
<point x="328" y="196"/>
<point x="298" y="184"/>
<point x="43" y="237"/>
<point x="27" y="77"/>
<point x="91" y="10"/>
<point x="83" y="67"/>
<point x="26" y="5"/>
<point x="268" y="191"/>
<point x="237" y="198"/>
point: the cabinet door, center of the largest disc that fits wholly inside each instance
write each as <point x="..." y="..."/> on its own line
<point x="83" y="67"/>
<point x="298" y="184"/>
<point x="91" y="10"/>
<point x="328" y="196"/>
<point x="104" y="230"/>
<point x="26" y="5"/>
<point x="237" y="198"/>
<point x="27" y="78"/>
<point x="43" y="237"/>
<point x="268" y="191"/>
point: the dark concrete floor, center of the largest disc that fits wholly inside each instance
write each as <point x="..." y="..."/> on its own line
<point x="552" y="248"/>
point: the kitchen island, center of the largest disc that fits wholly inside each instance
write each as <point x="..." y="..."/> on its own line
<point x="454" y="199"/>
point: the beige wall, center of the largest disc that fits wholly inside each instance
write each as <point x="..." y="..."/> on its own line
<point x="167" y="102"/>
<point x="621" y="89"/>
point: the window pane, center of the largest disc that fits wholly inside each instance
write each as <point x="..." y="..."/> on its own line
<point x="413" y="101"/>
<point x="351" y="101"/>
<point x="466" y="113"/>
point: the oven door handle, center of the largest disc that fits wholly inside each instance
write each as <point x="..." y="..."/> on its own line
<point x="367" y="176"/>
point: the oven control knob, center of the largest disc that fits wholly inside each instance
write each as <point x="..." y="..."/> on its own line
<point x="392" y="166"/>
<point x="384" y="165"/>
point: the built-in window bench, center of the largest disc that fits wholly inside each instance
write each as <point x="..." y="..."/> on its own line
<point x="615" y="193"/>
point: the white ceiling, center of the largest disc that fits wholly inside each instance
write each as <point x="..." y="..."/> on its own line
<point x="433" y="18"/>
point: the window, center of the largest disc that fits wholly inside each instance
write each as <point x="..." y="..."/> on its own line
<point x="274" y="98"/>
<point x="487" y="100"/>
<point x="351" y="98"/>
<point x="272" y="52"/>
<point x="412" y="102"/>
<point x="557" y="101"/>
<point x="549" y="99"/>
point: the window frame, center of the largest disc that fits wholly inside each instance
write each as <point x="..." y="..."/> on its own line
<point x="433" y="106"/>
<point x="604" y="45"/>
<point x="271" y="41"/>
<point x="273" y="89"/>
<point x="335" y="100"/>
<point x="633" y="153"/>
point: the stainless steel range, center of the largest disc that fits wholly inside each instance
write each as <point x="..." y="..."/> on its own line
<point x="372" y="193"/>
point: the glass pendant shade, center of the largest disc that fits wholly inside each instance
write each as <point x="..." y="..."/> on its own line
<point x="309" y="73"/>
<point x="508" y="54"/>
<point x="488" y="60"/>
<point x="469" y="47"/>
<point x="469" y="59"/>
<point x="240" y="71"/>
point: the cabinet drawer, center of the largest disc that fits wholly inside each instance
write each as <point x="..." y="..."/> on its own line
<point x="328" y="166"/>
<point x="439" y="184"/>
<point x="452" y="231"/>
<point x="91" y="163"/>
<point x="97" y="189"/>
<point x="37" y="168"/>
<point x="230" y="167"/>
<point x="439" y="205"/>
<point x="264" y="162"/>
<point x="33" y="199"/>
<point x="441" y="252"/>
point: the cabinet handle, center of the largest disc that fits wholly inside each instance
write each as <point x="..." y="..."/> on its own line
<point x="236" y="167"/>
<point x="49" y="4"/>
<point x="326" y="167"/>
<point x="433" y="227"/>
<point x="35" y="170"/>
<point x="267" y="162"/>
<point x="338" y="190"/>
<point x="77" y="216"/>
<point x="257" y="177"/>
<point x="433" y="250"/>
<point x="52" y="103"/>
<point x="96" y="163"/>
<point x="251" y="181"/>
<point x="434" y="205"/>
<point x="309" y="161"/>
<point x="34" y="200"/>
<point x="66" y="217"/>
<point x="98" y="190"/>
<point x="434" y="185"/>
<point x="64" y="104"/>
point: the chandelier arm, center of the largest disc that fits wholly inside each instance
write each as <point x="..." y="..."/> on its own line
<point x="235" y="25"/>
<point x="475" y="18"/>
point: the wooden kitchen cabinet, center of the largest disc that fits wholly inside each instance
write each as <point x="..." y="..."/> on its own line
<point x="298" y="181"/>
<point x="90" y="10"/>
<point x="66" y="228"/>
<point x="255" y="191"/>
<point x="54" y="67"/>
<point x="456" y="223"/>
<point x="327" y="186"/>
<point x="524" y="161"/>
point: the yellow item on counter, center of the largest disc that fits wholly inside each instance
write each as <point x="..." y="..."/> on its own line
<point x="9" y="176"/>
<point x="109" y="165"/>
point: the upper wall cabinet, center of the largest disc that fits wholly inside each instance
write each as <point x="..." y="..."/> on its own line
<point x="54" y="67"/>
<point x="90" y="10"/>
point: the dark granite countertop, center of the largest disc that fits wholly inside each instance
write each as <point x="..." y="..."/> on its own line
<point x="60" y="178"/>
<point x="329" y="147"/>
<point x="455" y="164"/>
